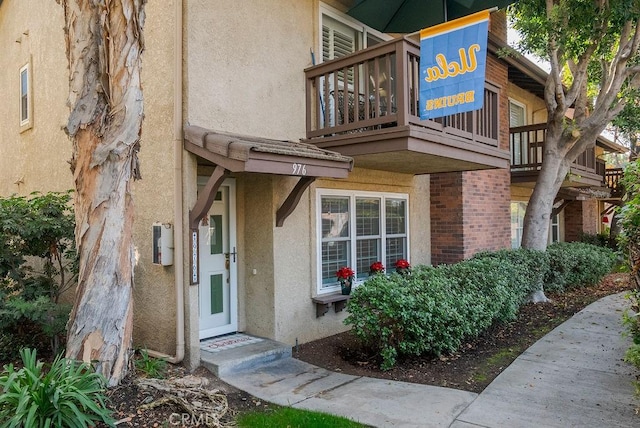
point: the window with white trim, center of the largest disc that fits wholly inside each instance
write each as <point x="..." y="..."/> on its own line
<point x="517" y="117"/>
<point x="555" y="229"/>
<point x="517" y="222"/>
<point x="25" y="95"/>
<point x="357" y="229"/>
<point x="343" y="35"/>
<point x="517" y="114"/>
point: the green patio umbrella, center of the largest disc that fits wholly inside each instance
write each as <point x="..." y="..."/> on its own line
<point x="407" y="16"/>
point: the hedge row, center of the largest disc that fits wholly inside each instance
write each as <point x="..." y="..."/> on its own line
<point x="434" y="309"/>
<point x="574" y="265"/>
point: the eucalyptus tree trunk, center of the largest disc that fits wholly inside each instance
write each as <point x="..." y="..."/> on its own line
<point x="104" y="45"/>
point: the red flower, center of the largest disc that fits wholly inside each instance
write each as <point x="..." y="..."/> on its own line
<point x="376" y="267"/>
<point x="402" y="264"/>
<point x="345" y="273"/>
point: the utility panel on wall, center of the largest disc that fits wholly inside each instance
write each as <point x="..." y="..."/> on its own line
<point x="163" y="244"/>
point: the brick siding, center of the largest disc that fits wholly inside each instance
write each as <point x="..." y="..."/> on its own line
<point x="469" y="213"/>
<point x="498" y="24"/>
<point x="580" y="217"/>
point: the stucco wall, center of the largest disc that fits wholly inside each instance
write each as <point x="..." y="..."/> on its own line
<point x="36" y="159"/>
<point x="245" y="62"/>
<point x="154" y="292"/>
<point x="259" y="223"/>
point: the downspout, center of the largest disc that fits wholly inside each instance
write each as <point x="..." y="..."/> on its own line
<point x="177" y="193"/>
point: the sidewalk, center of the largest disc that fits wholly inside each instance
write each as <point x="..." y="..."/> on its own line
<point x="572" y="377"/>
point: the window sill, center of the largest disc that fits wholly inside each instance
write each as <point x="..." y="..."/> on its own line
<point x="324" y="301"/>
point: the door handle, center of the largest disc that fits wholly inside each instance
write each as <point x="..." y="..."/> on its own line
<point x="233" y="253"/>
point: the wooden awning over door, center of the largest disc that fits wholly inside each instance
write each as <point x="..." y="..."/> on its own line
<point x="240" y="153"/>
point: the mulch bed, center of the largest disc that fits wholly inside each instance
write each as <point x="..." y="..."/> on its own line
<point x="478" y="361"/>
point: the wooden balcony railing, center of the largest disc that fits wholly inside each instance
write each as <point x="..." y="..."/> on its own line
<point x="525" y="143"/>
<point x="612" y="179"/>
<point x="378" y="88"/>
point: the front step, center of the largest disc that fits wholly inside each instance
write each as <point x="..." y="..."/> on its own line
<point x="243" y="352"/>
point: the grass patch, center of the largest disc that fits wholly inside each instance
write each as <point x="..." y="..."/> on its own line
<point x="294" y="418"/>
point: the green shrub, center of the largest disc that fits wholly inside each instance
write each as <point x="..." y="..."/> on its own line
<point x="69" y="394"/>
<point x="37" y="264"/>
<point x="629" y="214"/>
<point x="629" y="240"/>
<point x="576" y="264"/>
<point x="599" y="239"/>
<point x="435" y="308"/>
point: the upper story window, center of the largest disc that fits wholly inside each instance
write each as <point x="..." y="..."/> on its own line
<point x="26" y="107"/>
<point x="358" y="229"/>
<point x="519" y="147"/>
<point x="343" y="35"/>
<point x="516" y="114"/>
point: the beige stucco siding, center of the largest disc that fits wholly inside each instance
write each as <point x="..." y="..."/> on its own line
<point x="154" y="292"/>
<point x="36" y="159"/>
<point x="257" y="252"/>
<point x="245" y="63"/>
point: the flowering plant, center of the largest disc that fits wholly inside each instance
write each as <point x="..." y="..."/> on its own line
<point x="402" y="264"/>
<point x="345" y="273"/>
<point x="376" y="267"/>
<point x="403" y="267"/>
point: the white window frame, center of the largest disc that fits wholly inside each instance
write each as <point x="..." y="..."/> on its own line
<point x="557" y="221"/>
<point x="362" y="29"/>
<point x="524" y="111"/>
<point x="352" y="195"/>
<point x="519" y="225"/>
<point x="25" y="122"/>
<point x="524" y="157"/>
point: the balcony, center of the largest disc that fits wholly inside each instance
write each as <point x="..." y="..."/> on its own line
<point x="612" y="178"/>
<point x="526" y="145"/>
<point x="365" y="105"/>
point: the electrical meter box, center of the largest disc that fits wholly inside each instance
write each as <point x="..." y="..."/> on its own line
<point x="162" y="244"/>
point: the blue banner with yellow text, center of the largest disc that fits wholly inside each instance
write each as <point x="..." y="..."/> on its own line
<point x="453" y="56"/>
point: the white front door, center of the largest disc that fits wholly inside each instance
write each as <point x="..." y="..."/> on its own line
<point x="218" y="289"/>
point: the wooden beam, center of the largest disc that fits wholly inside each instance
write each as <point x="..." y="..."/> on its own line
<point x="203" y="204"/>
<point x="290" y="204"/>
<point x="557" y="211"/>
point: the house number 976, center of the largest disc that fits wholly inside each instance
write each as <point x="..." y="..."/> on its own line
<point x="299" y="169"/>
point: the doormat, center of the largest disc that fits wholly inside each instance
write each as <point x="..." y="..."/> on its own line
<point x="217" y="344"/>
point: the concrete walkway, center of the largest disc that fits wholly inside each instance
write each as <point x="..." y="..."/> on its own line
<point x="573" y="377"/>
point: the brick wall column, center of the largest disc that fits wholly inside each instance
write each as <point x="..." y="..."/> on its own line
<point x="469" y="213"/>
<point x="580" y="217"/>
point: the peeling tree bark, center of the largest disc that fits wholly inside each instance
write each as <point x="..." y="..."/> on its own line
<point x="104" y="46"/>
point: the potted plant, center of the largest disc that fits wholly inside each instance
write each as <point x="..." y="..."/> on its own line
<point x="403" y="267"/>
<point x="376" y="268"/>
<point x="345" y="276"/>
